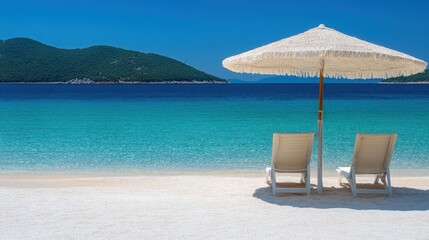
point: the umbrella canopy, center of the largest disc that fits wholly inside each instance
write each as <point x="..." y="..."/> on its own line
<point x="340" y="55"/>
<point x="324" y="52"/>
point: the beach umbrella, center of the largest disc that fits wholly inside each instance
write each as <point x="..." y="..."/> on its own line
<point x="325" y="52"/>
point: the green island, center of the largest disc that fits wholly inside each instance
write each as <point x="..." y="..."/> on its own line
<point x="422" y="77"/>
<point x="24" y="60"/>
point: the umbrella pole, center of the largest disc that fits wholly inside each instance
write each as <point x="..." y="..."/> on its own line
<point x="320" y="128"/>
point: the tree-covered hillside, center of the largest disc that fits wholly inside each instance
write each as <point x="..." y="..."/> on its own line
<point x="26" y="60"/>
<point x="419" y="77"/>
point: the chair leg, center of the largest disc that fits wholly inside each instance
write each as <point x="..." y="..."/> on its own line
<point x="353" y="183"/>
<point x="303" y="177"/>
<point x="377" y="178"/>
<point x="389" y="187"/>
<point x="268" y="175"/>
<point x="383" y="180"/>
<point x="340" y="178"/>
<point x="273" y="181"/>
<point x="307" y="182"/>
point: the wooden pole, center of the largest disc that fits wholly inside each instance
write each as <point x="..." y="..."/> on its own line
<point x="321" y="95"/>
<point x="320" y="135"/>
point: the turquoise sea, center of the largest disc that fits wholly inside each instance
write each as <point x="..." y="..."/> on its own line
<point x="84" y="128"/>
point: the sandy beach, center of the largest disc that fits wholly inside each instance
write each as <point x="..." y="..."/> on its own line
<point x="197" y="206"/>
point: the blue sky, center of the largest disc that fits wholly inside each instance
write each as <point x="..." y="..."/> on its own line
<point x="202" y="33"/>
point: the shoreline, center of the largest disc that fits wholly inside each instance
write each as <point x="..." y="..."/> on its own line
<point x="66" y="181"/>
<point x="126" y="179"/>
<point x="254" y="174"/>
<point x="209" y="181"/>
<point x="331" y="172"/>
<point x="112" y="83"/>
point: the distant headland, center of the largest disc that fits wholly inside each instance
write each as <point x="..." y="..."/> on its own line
<point x="23" y="60"/>
<point x="422" y="77"/>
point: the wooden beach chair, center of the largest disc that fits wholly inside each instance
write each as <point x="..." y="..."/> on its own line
<point x="372" y="155"/>
<point x="291" y="154"/>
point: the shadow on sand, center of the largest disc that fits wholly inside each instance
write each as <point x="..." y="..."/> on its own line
<point x="403" y="199"/>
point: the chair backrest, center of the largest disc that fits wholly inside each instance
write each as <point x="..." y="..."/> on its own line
<point x="373" y="152"/>
<point x="292" y="151"/>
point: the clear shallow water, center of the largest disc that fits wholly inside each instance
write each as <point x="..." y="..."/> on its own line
<point x="196" y="127"/>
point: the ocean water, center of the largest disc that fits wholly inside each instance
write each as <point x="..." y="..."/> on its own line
<point x="62" y="128"/>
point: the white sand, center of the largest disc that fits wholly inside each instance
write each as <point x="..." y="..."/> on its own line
<point x="199" y="207"/>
